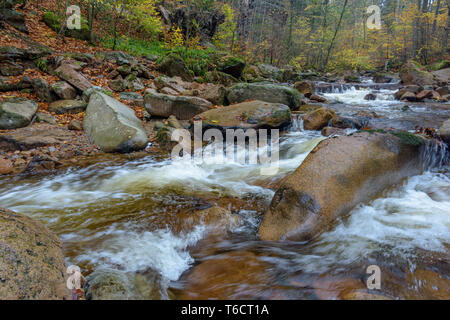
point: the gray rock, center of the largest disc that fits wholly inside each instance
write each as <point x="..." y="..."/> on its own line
<point x="42" y="90"/>
<point x="16" y="113"/>
<point x="112" y="125"/>
<point x="117" y="84"/>
<point x="269" y="71"/>
<point x="184" y="108"/>
<point x="265" y="92"/>
<point x="45" y="117"/>
<point x="173" y="65"/>
<point x="66" y="72"/>
<point x="9" y="68"/>
<point x="87" y="93"/>
<point x="67" y="106"/>
<point x="64" y="90"/>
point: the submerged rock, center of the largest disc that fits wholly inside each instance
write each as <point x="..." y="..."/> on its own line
<point x="112" y="125"/>
<point x="265" y="92"/>
<point x="109" y="284"/>
<point x="183" y="107"/>
<point x="253" y="114"/>
<point x="337" y="175"/>
<point x="31" y="260"/>
<point x="16" y="113"/>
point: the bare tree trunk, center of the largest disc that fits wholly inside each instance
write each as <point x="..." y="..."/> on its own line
<point x="335" y="34"/>
<point x="436" y="13"/>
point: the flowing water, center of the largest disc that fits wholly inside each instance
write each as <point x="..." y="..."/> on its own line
<point x="127" y="216"/>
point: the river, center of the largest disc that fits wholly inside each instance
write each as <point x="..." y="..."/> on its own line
<point x="127" y="215"/>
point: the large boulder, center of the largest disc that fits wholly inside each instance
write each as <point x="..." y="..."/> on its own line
<point x="413" y="73"/>
<point x="215" y="94"/>
<point x="336" y="176"/>
<point x="16" y="113"/>
<point x="444" y="131"/>
<point x="266" y="92"/>
<point x="173" y="65"/>
<point x="254" y="114"/>
<point x="182" y="107"/>
<point x="31" y="260"/>
<point x="112" y="125"/>
<point x="76" y="79"/>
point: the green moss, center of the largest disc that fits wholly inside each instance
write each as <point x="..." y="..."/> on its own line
<point x="42" y="64"/>
<point x="52" y="20"/>
<point x="408" y="138"/>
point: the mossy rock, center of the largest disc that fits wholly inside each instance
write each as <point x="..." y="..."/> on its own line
<point x="52" y="21"/>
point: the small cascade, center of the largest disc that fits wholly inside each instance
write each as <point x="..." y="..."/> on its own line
<point x="435" y="155"/>
<point x="297" y="123"/>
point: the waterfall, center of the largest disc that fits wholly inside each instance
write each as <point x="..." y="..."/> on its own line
<point x="435" y="154"/>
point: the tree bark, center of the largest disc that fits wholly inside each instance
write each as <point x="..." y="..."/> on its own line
<point x="335" y="34"/>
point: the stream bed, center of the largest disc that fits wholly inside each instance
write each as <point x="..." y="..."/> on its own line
<point x="127" y="216"/>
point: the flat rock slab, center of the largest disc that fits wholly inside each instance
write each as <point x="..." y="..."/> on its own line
<point x="67" y="106"/>
<point x="253" y="114"/>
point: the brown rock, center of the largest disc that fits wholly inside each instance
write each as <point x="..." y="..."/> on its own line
<point x="424" y="94"/>
<point x="329" y="131"/>
<point x="317" y="119"/>
<point x="317" y="98"/>
<point x="214" y="217"/>
<point x="76" y="79"/>
<point x="337" y="175"/>
<point x="75" y="125"/>
<point x="413" y="73"/>
<point x="305" y="87"/>
<point x="6" y="166"/>
<point x="31" y="260"/>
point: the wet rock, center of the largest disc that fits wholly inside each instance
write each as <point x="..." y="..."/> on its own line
<point x="362" y="295"/>
<point x="305" y="87"/>
<point x="424" y="94"/>
<point x="214" y="218"/>
<point x="6" y="166"/>
<point x="382" y="78"/>
<point x="330" y="131"/>
<point x="408" y="96"/>
<point x="16" y="113"/>
<point x="222" y="276"/>
<point x="112" y="125"/>
<point x="31" y="260"/>
<point x="429" y="285"/>
<point x="75" y="125"/>
<point x="265" y="92"/>
<point x="214" y="94"/>
<point x="347" y="123"/>
<point x="64" y="90"/>
<point x="317" y="98"/>
<point x="173" y="65"/>
<point x="352" y="79"/>
<point x="184" y="108"/>
<point x="444" y="131"/>
<point x="76" y="79"/>
<point x="42" y="90"/>
<point x="109" y="284"/>
<point x="305" y="108"/>
<point x="317" y="119"/>
<point x="370" y="97"/>
<point x="67" y="106"/>
<point x="353" y="169"/>
<point x="254" y="114"/>
<point x="9" y="68"/>
<point x="413" y="73"/>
